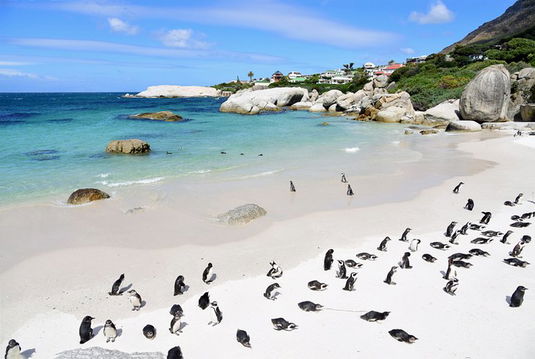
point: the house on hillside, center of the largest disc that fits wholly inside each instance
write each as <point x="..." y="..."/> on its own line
<point x="277" y="76"/>
<point x="416" y="60"/>
<point x="389" y="69"/>
<point x="369" y="69"/>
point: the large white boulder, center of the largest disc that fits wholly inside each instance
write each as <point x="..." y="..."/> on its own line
<point x="350" y="99"/>
<point x="317" y="107"/>
<point x="301" y="105"/>
<point x="444" y="111"/>
<point x="179" y="91"/>
<point x="328" y="98"/>
<point x="470" y="126"/>
<point x="250" y="103"/>
<point x="391" y="115"/>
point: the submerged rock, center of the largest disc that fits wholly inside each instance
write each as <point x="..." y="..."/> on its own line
<point x="471" y="126"/>
<point x="242" y="214"/>
<point x="86" y="195"/>
<point x="131" y="146"/>
<point x="159" y="116"/>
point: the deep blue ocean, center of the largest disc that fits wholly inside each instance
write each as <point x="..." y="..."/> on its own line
<point x="53" y="143"/>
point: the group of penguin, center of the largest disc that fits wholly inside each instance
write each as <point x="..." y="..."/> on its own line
<point x="459" y="260"/>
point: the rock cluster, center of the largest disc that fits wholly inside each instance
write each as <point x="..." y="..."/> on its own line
<point x="86" y="195"/>
<point x="159" y="116"/>
<point x="131" y="146"/>
<point x="171" y="91"/>
<point x="273" y="99"/>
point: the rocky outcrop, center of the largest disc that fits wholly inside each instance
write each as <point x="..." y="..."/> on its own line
<point x="313" y="95"/>
<point x="486" y="97"/>
<point x="86" y="195"/>
<point x="470" y="126"/>
<point x="390" y="115"/>
<point x="301" y="105"/>
<point x="350" y="100"/>
<point x="159" y="116"/>
<point x="527" y="112"/>
<point x="443" y="113"/>
<point x="522" y="89"/>
<point x="131" y="146"/>
<point x="329" y="98"/>
<point x="508" y="125"/>
<point x="273" y="99"/>
<point x="317" y="107"/>
<point x="171" y="91"/>
<point x="393" y="108"/>
<point x="242" y="214"/>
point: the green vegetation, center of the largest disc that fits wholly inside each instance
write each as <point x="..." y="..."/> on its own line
<point x="359" y="79"/>
<point x="232" y="86"/>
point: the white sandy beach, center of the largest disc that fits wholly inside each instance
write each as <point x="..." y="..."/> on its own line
<point x="77" y="253"/>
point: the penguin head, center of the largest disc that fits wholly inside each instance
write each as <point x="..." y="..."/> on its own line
<point x="213" y="304"/>
<point x="109" y="322"/>
<point x="209" y="265"/>
<point x="353" y="275"/>
<point x="521" y="288"/>
<point x="330" y="251"/>
<point x="412" y="339"/>
<point x="386" y="314"/>
<point x="121" y="277"/>
<point x="87" y="319"/>
<point x="132" y="292"/>
<point x="12" y="343"/>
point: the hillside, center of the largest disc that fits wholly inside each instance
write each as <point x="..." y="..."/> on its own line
<point x="517" y="21"/>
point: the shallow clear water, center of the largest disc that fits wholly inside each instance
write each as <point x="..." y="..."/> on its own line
<point x="54" y="143"/>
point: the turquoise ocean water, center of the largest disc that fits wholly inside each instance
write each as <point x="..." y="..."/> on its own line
<point x="53" y="143"/>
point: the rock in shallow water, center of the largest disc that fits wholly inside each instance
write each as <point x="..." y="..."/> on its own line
<point x="471" y="126"/>
<point x="132" y="146"/>
<point x="86" y="195"/>
<point x="242" y="214"/>
<point x="159" y="116"/>
<point x="101" y="353"/>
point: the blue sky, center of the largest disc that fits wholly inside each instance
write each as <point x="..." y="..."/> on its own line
<point x="127" y="45"/>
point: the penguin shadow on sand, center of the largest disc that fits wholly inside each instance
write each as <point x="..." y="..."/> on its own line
<point x="508" y="299"/>
<point x="212" y="278"/>
<point x="97" y="330"/>
<point x="27" y="354"/>
<point x="125" y="289"/>
<point x="182" y="326"/>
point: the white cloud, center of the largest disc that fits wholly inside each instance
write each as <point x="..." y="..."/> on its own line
<point x="14" y="63"/>
<point x="182" y="38"/>
<point x="119" y="25"/>
<point x="16" y="73"/>
<point x="407" y="50"/>
<point x="438" y="14"/>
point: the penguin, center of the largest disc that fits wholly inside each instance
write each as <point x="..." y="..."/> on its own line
<point x="109" y="331"/>
<point x="439" y="245"/>
<point x="176" y="308"/>
<point x="207" y="275"/>
<point x="519" y="198"/>
<point x="508" y="203"/>
<point x="517" y="250"/>
<point x="269" y="291"/>
<point x="243" y="338"/>
<point x="13" y="350"/>
<point x="349" y="191"/>
<point x="292" y="187"/>
<point x="149" y="331"/>
<point x="351" y="263"/>
<point x="316" y="285"/>
<point x="382" y="245"/>
<point x="180" y="287"/>
<point x="476" y="227"/>
<point x="469" y="204"/>
<point x="283" y="324"/>
<point x="135" y="300"/>
<point x="405" y="264"/>
<point x="366" y="256"/>
<point x="464" y="229"/>
<point x="478" y="252"/>
<point x="343" y="179"/>
<point x="404" y="235"/>
<point x="308" y="306"/>
<point x="223" y="152"/>
<point x="486" y="218"/>
<point x="525" y="238"/>
<point x="414" y="245"/>
<point x="449" y="230"/>
<point x="491" y="233"/>
<point x="175" y="353"/>
<point x="174" y="326"/>
<point x="116" y="286"/>
<point x="458" y="187"/>
<point x="518" y="297"/>
<point x="515" y="262"/>
<point x="481" y="240"/>
<point x="341" y="273"/>
<point x="451" y="286"/>
<point x="450" y="272"/>
<point x="217" y="315"/>
<point x="328" y="261"/>
<point x="402" y="336"/>
<point x="456" y="256"/>
<point x="428" y="258"/>
<point x="86" y="332"/>
<point x="389" y="276"/>
<point x="373" y="316"/>
<point x="350" y="282"/>
<point x="520" y="224"/>
<point x="204" y="301"/>
<point x="461" y="264"/>
<point x="275" y="271"/>
<point x="454" y="237"/>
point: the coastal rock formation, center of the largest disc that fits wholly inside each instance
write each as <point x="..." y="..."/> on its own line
<point x="443" y="113"/>
<point x="393" y="108"/>
<point x="242" y="214"/>
<point x="85" y="195"/>
<point x="159" y="116"/>
<point x="317" y="107"/>
<point x="508" y="125"/>
<point x="313" y="95"/>
<point x="390" y="115"/>
<point x="251" y="103"/>
<point x="522" y="90"/>
<point x="131" y="146"/>
<point x="301" y="105"/>
<point x="486" y="97"/>
<point x="349" y="100"/>
<point x="101" y="353"/>
<point x="329" y="98"/>
<point x="170" y="91"/>
<point x="470" y="126"/>
<point x="527" y="112"/>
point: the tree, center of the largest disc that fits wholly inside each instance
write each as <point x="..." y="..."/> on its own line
<point x="250" y="74"/>
<point x="348" y="67"/>
<point x="391" y="62"/>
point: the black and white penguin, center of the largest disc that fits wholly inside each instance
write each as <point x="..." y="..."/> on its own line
<point x="461" y="264"/>
<point x="476" y="227"/>
<point x="454" y="237"/>
<point x="428" y="258"/>
<point x="283" y="324"/>
<point x="456" y="256"/>
<point x="207" y="274"/>
<point x="515" y="262"/>
<point x="404" y="235"/>
<point x="352" y="264"/>
<point x="486" y="218"/>
<point x="365" y="256"/>
<point x="135" y="300"/>
<point x="269" y="291"/>
<point x="414" y="245"/>
<point x="519" y="198"/>
<point x="328" y="261"/>
<point x="350" y="282"/>
<point x="382" y="245"/>
<point x="86" y="332"/>
<point x="449" y="230"/>
<point x="508" y="203"/>
<point x="450" y="272"/>
<point x="402" y="336"/>
<point x="349" y="191"/>
<point x="316" y="285"/>
<point x="389" y="276"/>
<point x="275" y="271"/>
<point x="481" y="240"/>
<point x="309" y="306"/>
<point x="458" y="187"/>
<point x="517" y="250"/>
<point x="405" y="264"/>
<point x="439" y="245"/>
<point x="469" y="204"/>
<point x="525" y="238"/>
<point x="176" y="308"/>
<point x="451" y="286"/>
<point x="149" y="331"/>
<point x="520" y="224"/>
<point x="292" y="187"/>
<point x="175" y="353"/>
<point x="117" y="286"/>
<point x="518" y="297"/>
<point x="342" y="272"/>
<point x="217" y="315"/>
<point x="176" y="324"/>
<point x="491" y="233"/>
<point x="243" y="338"/>
<point x="478" y="252"/>
<point x="180" y="287"/>
<point x="343" y="179"/>
<point x="204" y="301"/>
<point x="13" y="350"/>
<point x="109" y="331"/>
<point x="464" y="229"/>
<point x="373" y="316"/>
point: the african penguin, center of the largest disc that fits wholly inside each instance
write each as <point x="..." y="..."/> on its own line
<point x="109" y="331"/>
